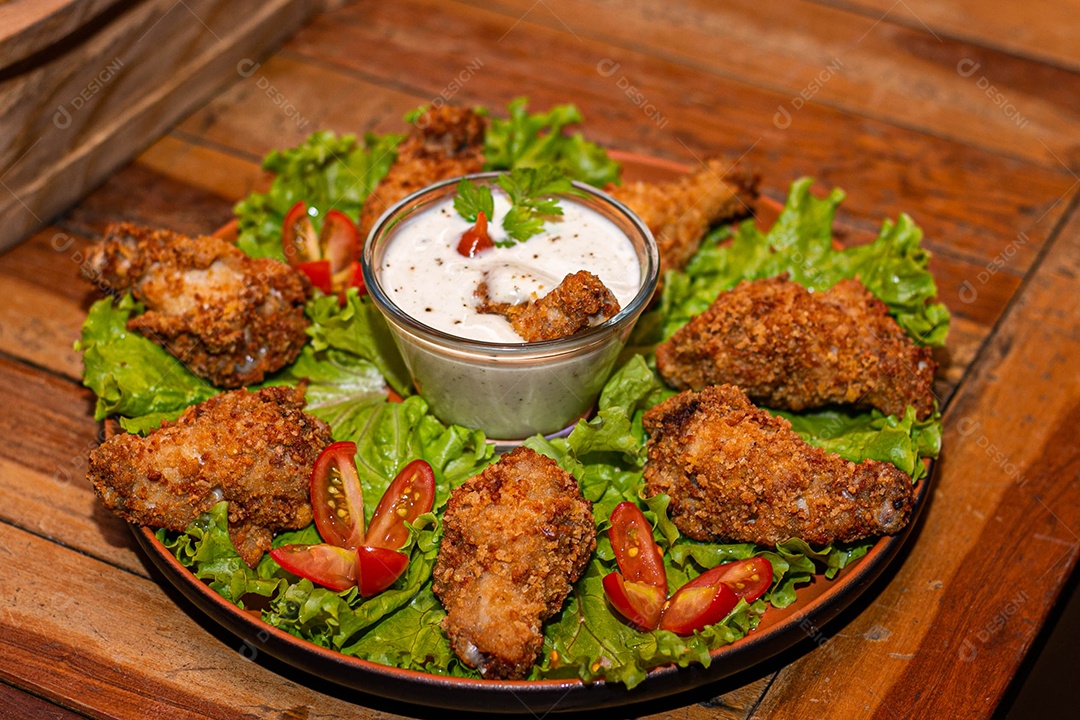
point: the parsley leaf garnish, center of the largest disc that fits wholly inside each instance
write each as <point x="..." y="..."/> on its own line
<point x="472" y="199"/>
<point x="530" y="192"/>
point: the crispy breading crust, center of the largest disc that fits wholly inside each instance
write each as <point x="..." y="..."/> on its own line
<point x="580" y="301"/>
<point x="445" y="142"/>
<point x="516" y="538"/>
<point x="680" y="212"/>
<point x="788" y="348"/>
<point x="229" y="318"/>
<point x="254" y="449"/>
<point x="736" y="473"/>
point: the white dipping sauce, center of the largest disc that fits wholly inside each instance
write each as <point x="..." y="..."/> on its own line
<point x="425" y="276"/>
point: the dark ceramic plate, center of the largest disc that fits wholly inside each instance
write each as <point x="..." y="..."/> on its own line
<point x="817" y="603"/>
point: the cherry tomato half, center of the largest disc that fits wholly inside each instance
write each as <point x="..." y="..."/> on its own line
<point x="636" y="551"/>
<point x="327" y="565"/>
<point x="318" y="272"/>
<point x="340" y="241"/>
<point x="299" y="241"/>
<point x="377" y="568"/>
<point x="355" y="278"/>
<point x="410" y="495"/>
<point x="337" y="500"/>
<point x="476" y="238"/>
<point x="638" y="602"/>
<point x="748" y="579"/>
<point x="329" y="258"/>
<point x="692" y="608"/>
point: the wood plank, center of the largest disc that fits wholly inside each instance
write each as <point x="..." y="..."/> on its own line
<point x="1045" y="31"/>
<point x="138" y="194"/>
<point x="849" y="61"/>
<point x="997" y="544"/>
<point x="978" y="201"/>
<point x="111" y="644"/>
<point x="286" y="99"/>
<point x="40" y="327"/>
<point x="18" y="704"/>
<point x="30" y="26"/>
<point x="198" y="165"/>
<point x="45" y="301"/>
<point x="49" y="429"/>
<point x="81" y="114"/>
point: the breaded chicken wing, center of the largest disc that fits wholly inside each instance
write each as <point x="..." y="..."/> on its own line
<point x="517" y="536"/>
<point x="254" y="449"/>
<point x="680" y="212"/>
<point x="736" y="473"/>
<point x="229" y="318"/>
<point x="788" y="348"/>
<point x="444" y="142"/>
<point x="580" y="301"/>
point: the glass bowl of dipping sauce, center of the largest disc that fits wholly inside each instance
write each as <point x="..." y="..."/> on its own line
<point x="473" y="368"/>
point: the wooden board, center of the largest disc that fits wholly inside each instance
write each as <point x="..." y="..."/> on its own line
<point x="72" y="118"/>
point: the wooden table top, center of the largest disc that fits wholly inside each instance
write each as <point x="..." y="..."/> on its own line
<point x="963" y="114"/>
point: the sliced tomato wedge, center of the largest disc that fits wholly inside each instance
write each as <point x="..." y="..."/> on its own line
<point x="693" y="608"/>
<point x="339" y="240"/>
<point x="377" y="568"/>
<point x="327" y="565"/>
<point x="330" y="258"/>
<point x="410" y="495"/>
<point x="355" y="275"/>
<point x="299" y="241"/>
<point x="748" y="579"/>
<point x="636" y="551"/>
<point x="638" y="602"/>
<point x="337" y="500"/>
<point x="318" y="272"/>
<point x="475" y="239"/>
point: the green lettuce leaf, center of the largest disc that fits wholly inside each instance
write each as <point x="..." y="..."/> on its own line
<point x="356" y="331"/>
<point x="327" y="172"/>
<point x="904" y="442"/>
<point x="131" y="375"/>
<point x="538" y="140"/>
<point x="205" y="547"/>
<point x="893" y="266"/>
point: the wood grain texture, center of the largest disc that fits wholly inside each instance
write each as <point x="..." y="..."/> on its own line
<point x="28" y="27"/>
<point x="73" y="120"/>
<point x="828" y="56"/>
<point x="1044" y="31"/>
<point x="18" y="704"/>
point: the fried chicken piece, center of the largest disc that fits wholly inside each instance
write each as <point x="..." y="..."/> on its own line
<point x="254" y="449"/>
<point x="789" y="348"/>
<point x="680" y="212"/>
<point x="736" y="473"/>
<point x="229" y="318"/>
<point x="580" y="301"/>
<point x="517" y="536"/>
<point x="444" y="142"/>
